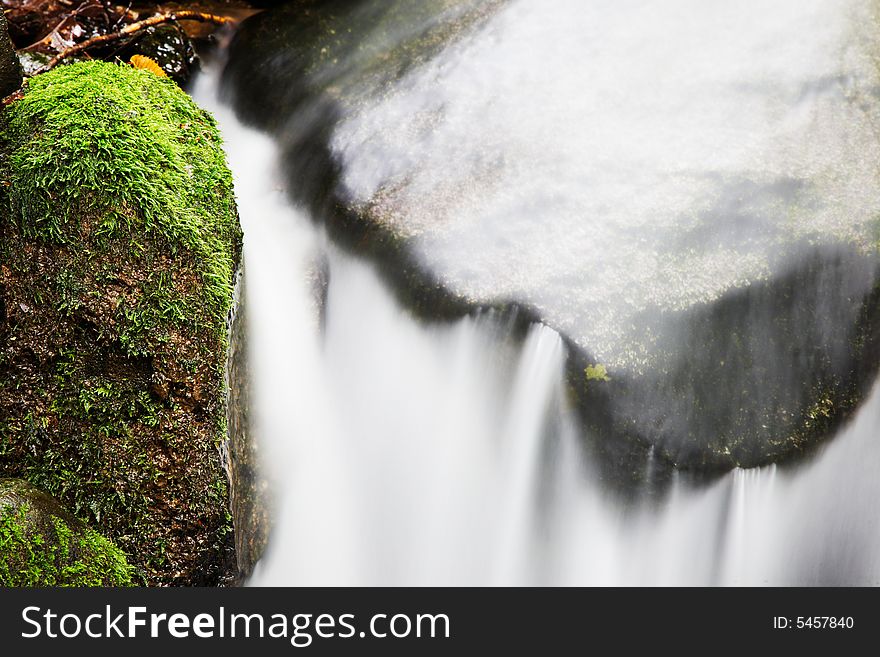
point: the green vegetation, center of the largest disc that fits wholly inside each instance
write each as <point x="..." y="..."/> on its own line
<point x="119" y="238"/>
<point x="125" y="150"/>
<point x="64" y="559"/>
<point x="596" y="373"/>
<point x="39" y="547"/>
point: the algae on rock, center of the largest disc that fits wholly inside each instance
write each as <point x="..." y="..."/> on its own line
<point x="119" y="239"/>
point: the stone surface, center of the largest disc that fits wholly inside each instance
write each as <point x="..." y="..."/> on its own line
<point x="250" y="498"/>
<point x="687" y="192"/>
<point x="41" y="544"/>
<point x="169" y="47"/>
<point x="119" y="240"/>
<point x="10" y="68"/>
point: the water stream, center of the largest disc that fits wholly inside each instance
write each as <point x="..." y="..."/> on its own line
<point x="412" y="453"/>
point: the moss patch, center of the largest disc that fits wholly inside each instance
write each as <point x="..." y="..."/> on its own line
<point x="126" y="151"/>
<point x="596" y="373"/>
<point x="41" y="545"/>
<point x="118" y="241"/>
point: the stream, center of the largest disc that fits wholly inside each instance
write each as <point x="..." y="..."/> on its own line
<point x="406" y="452"/>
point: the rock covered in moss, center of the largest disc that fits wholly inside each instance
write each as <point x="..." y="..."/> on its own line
<point x="41" y="544"/>
<point x="119" y="239"/>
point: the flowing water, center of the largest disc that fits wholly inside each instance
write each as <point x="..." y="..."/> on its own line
<point x="633" y="158"/>
<point x="405" y="452"/>
<point x="686" y="191"/>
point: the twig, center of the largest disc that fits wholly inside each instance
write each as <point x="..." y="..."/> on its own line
<point x="132" y="28"/>
<point x="18" y="94"/>
<point x="123" y="14"/>
<point x="46" y="40"/>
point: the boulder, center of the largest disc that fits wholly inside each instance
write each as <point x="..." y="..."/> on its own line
<point x="250" y="490"/>
<point x="41" y="544"/>
<point x="10" y="68"/>
<point x="168" y="46"/>
<point x="119" y="240"/>
<point x="687" y="193"/>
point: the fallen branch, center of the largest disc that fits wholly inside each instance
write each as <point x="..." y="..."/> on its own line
<point x="133" y="28"/>
<point x="18" y="94"/>
<point x="46" y="40"/>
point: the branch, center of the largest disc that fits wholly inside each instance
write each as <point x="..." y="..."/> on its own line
<point x="133" y="28"/>
<point x="46" y="40"/>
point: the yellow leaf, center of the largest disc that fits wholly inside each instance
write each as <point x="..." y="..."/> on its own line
<point x="147" y="64"/>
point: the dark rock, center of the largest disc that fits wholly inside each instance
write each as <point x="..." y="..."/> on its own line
<point x="760" y="374"/>
<point x="249" y="488"/>
<point x="725" y="279"/>
<point x="10" y="68"/>
<point x="168" y="46"/>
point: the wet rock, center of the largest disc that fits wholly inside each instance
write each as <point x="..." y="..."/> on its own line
<point x="763" y="372"/>
<point x="10" y="68"/>
<point x="168" y="46"/>
<point x="697" y="218"/>
<point x="119" y="241"/>
<point x="41" y="544"/>
<point x="250" y="493"/>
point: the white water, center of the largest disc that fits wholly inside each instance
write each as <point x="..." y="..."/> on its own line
<point x="406" y="453"/>
<point x="632" y="157"/>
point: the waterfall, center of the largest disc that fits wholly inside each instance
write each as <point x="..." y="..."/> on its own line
<point x="405" y="452"/>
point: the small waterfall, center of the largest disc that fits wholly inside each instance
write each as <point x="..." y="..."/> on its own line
<point x="411" y="453"/>
<point x="536" y="383"/>
<point x="290" y="409"/>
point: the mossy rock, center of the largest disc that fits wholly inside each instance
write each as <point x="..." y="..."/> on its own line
<point x="119" y="240"/>
<point x="41" y="544"/>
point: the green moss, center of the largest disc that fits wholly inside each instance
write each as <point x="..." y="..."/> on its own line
<point x="596" y="373"/>
<point x="118" y="239"/>
<point x="131" y="154"/>
<point x="54" y="554"/>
